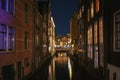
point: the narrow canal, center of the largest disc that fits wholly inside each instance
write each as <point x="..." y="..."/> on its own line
<point x="61" y="67"/>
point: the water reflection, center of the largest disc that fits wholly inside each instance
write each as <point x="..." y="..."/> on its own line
<point x="60" y="68"/>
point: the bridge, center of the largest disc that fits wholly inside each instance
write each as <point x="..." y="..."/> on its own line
<point x="62" y="49"/>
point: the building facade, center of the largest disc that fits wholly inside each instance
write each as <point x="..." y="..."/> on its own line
<point x="16" y="27"/>
<point x="74" y="30"/>
<point x="101" y="32"/>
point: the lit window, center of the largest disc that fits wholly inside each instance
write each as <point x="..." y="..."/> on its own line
<point x="95" y="33"/>
<point x="92" y="10"/>
<point x="101" y="44"/>
<point x="88" y="15"/>
<point x="90" y="44"/>
<point x="97" y="6"/>
<point x="82" y="8"/>
<point x="95" y="45"/>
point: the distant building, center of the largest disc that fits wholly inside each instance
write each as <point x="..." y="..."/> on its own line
<point x="51" y="34"/>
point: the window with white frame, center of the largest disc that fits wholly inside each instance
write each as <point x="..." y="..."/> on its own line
<point x="117" y="31"/>
<point x="7" y="36"/>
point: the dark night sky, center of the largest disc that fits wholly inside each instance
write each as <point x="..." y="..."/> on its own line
<point x="62" y="11"/>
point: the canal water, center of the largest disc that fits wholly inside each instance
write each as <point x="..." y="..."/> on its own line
<point x="61" y="67"/>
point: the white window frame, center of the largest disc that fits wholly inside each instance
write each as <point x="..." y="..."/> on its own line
<point x="114" y="35"/>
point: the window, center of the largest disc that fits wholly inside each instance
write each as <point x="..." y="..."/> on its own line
<point x="83" y="8"/>
<point x="26" y="62"/>
<point x="3" y="36"/>
<point x="11" y="38"/>
<point x="96" y="45"/>
<point x="90" y="44"/>
<point x="11" y="6"/>
<point x="92" y="10"/>
<point x="26" y="13"/>
<point x="26" y="40"/>
<point x="7" y="5"/>
<point x="117" y="31"/>
<point x="3" y="4"/>
<point x="7" y="36"/>
<point x="97" y="5"/>
<point x="88" y="15"/>
<point x="101" y="44"/>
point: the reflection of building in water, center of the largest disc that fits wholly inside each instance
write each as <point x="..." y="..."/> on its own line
<point x="60" y="63"/>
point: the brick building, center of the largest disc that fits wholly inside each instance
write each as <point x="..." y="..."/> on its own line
<point x="102" y="37"/>
<point x="16" y="27"/>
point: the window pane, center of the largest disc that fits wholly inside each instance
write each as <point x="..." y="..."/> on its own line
<point x="101" y="45"/>
<point x="11" y="38"/>
<point x="2" y="37"/>
<point x="90" y="44"/>
<point x="26" y="40"/>
<point x="11" y="6"/>
<point x="97" y="5"/>
<point x="92" y="10"/>
<point x="4" y="4"/>
<point x="26" y="13"/>
<point x="117" y="31"/>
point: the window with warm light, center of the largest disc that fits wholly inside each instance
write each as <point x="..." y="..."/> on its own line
<point x="101" y="44"/>
<point x="83" y="8"/>
<point x="90" y="44"/>
<point x="96" y="45"/>
<point x="97" y="5"/>
<point x="88" y="14"/>
<point x="95" y="33"/>
<point x="92" y="9"/>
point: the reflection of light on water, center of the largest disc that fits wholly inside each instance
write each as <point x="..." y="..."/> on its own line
<point x="70" y="69"/>
<point x="52" y="70"/>
<point x="61" y="60"/>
